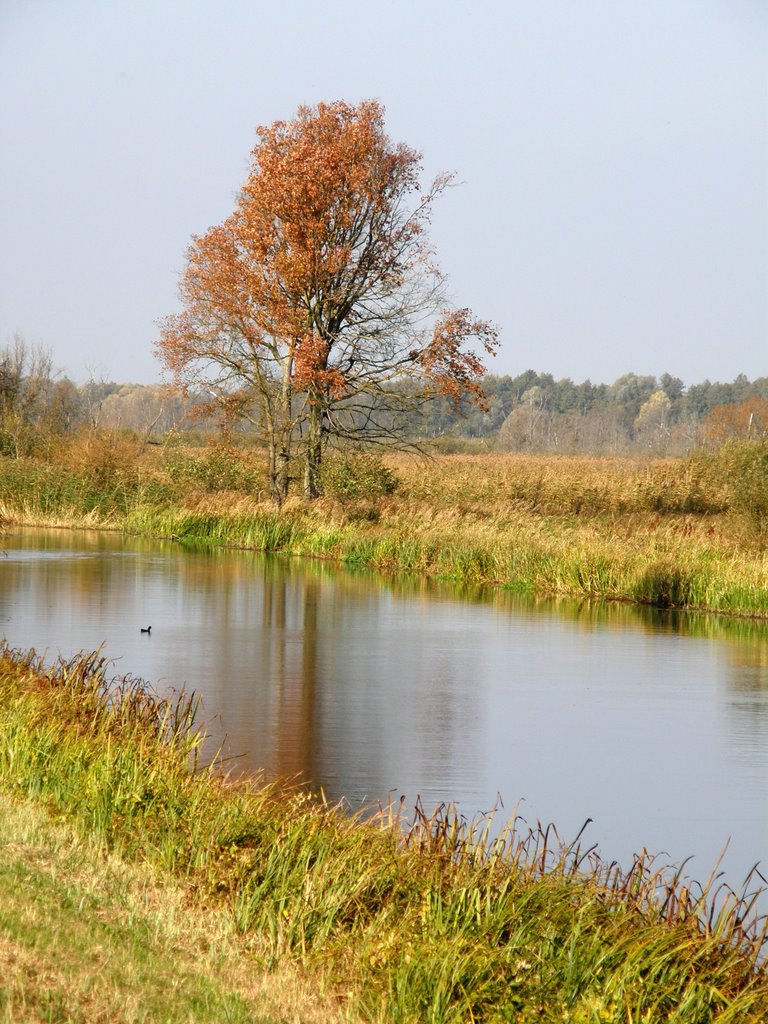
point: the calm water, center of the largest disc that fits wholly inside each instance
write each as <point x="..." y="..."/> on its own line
<point x="654" y="725"/>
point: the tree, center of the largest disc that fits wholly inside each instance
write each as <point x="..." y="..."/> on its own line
<point x="737" y="419"/>
<point x="316" y="310"/>
<point x="142" y="408"/>
<point x="26" y="385"/>
<point x="631" y="391"/>
<point x="672" y="387"/>
<point x="64" y="407"/>
<point x="652" y="421"/>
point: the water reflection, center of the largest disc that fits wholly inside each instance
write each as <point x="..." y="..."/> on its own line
<point x="655" y="724"/>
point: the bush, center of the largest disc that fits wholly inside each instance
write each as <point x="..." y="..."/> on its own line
<point x="354" y="476"/>
<point x="21" y="440"/>
<point x="219" y="468"/>
<point x="664" y="584"/>
<point x="108" y="460"/>
<point x="740" y="469"/>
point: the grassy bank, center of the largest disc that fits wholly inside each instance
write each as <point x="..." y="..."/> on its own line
<point x="86" y="935"/>
<point x="431" y="923"/>
<point x="631" y="559"/>
<point x="672" y="533"/>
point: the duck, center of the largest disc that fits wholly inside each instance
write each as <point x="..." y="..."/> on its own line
<point x="147" y="629"/>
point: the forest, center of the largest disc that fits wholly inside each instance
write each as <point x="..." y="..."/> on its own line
<point x="531" y="412"/>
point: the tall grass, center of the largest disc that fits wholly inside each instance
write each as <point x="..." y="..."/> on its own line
<point x="665" y="565"/>
<point x="434" y="921"/>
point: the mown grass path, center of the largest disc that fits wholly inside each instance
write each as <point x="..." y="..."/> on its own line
<point x="86" y="936"/>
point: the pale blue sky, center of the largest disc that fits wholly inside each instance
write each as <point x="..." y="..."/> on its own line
<point x="613" y="215"/>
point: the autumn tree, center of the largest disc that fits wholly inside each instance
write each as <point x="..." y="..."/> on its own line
<point x="142" y="408"/>
<point x="317" y="310"/>
<point x="748" y="419"/>
<point x="652" y="421"/>
<point x="526" y="425"/>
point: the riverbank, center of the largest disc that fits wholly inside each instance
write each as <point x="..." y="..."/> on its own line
<point x="670" y="533"/>
<point x="431" y="922"/>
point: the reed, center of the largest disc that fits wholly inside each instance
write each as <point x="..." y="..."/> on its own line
<point x="432" y="920"/>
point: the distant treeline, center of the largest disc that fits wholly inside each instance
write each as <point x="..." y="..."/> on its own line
<point x="535" y="412"/>
<point x="529" y="412"/>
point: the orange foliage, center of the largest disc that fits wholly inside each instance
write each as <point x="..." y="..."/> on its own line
<point x="450" y="370"/>
<point x="311" y="370"/>
<point x="737" y="419"/>
<point x="316" y="288"/>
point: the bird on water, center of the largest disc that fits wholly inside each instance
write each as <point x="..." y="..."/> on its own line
<point x="148" y="629"/>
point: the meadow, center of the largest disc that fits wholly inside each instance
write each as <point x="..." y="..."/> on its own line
<point x="407" y="916"/>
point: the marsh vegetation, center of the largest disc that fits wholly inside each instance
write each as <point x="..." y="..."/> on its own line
<point x="687" y="532"/>
<point x="440" y="921"/>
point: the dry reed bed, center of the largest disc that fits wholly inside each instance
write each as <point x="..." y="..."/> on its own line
<point x="492" y="485"/>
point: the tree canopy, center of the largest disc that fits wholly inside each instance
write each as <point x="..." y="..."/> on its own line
<point x="317" y="309"/>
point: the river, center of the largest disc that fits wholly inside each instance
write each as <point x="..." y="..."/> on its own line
<point x="653" y="724"/>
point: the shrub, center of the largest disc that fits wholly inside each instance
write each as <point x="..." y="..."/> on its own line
<point x="351" y="477"/>
<point x="740" y="469"/>
<point x="219" y="468"/>
<point x="664" y="584"/>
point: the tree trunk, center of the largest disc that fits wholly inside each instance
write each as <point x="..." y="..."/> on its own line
<point x="279" y="484"/>
<point x="279" y="465"/>
<point x="281" y="439"/>
<point x="312" y="465"/>
<point x="313" y="456"/>
<point x="272" y="474"/>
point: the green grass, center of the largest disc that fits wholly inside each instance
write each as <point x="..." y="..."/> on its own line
<point x="431" y="922"/>
<point x="657" y="570"/>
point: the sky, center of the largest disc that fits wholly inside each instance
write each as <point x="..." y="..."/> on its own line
<point x="612" y="155"/>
